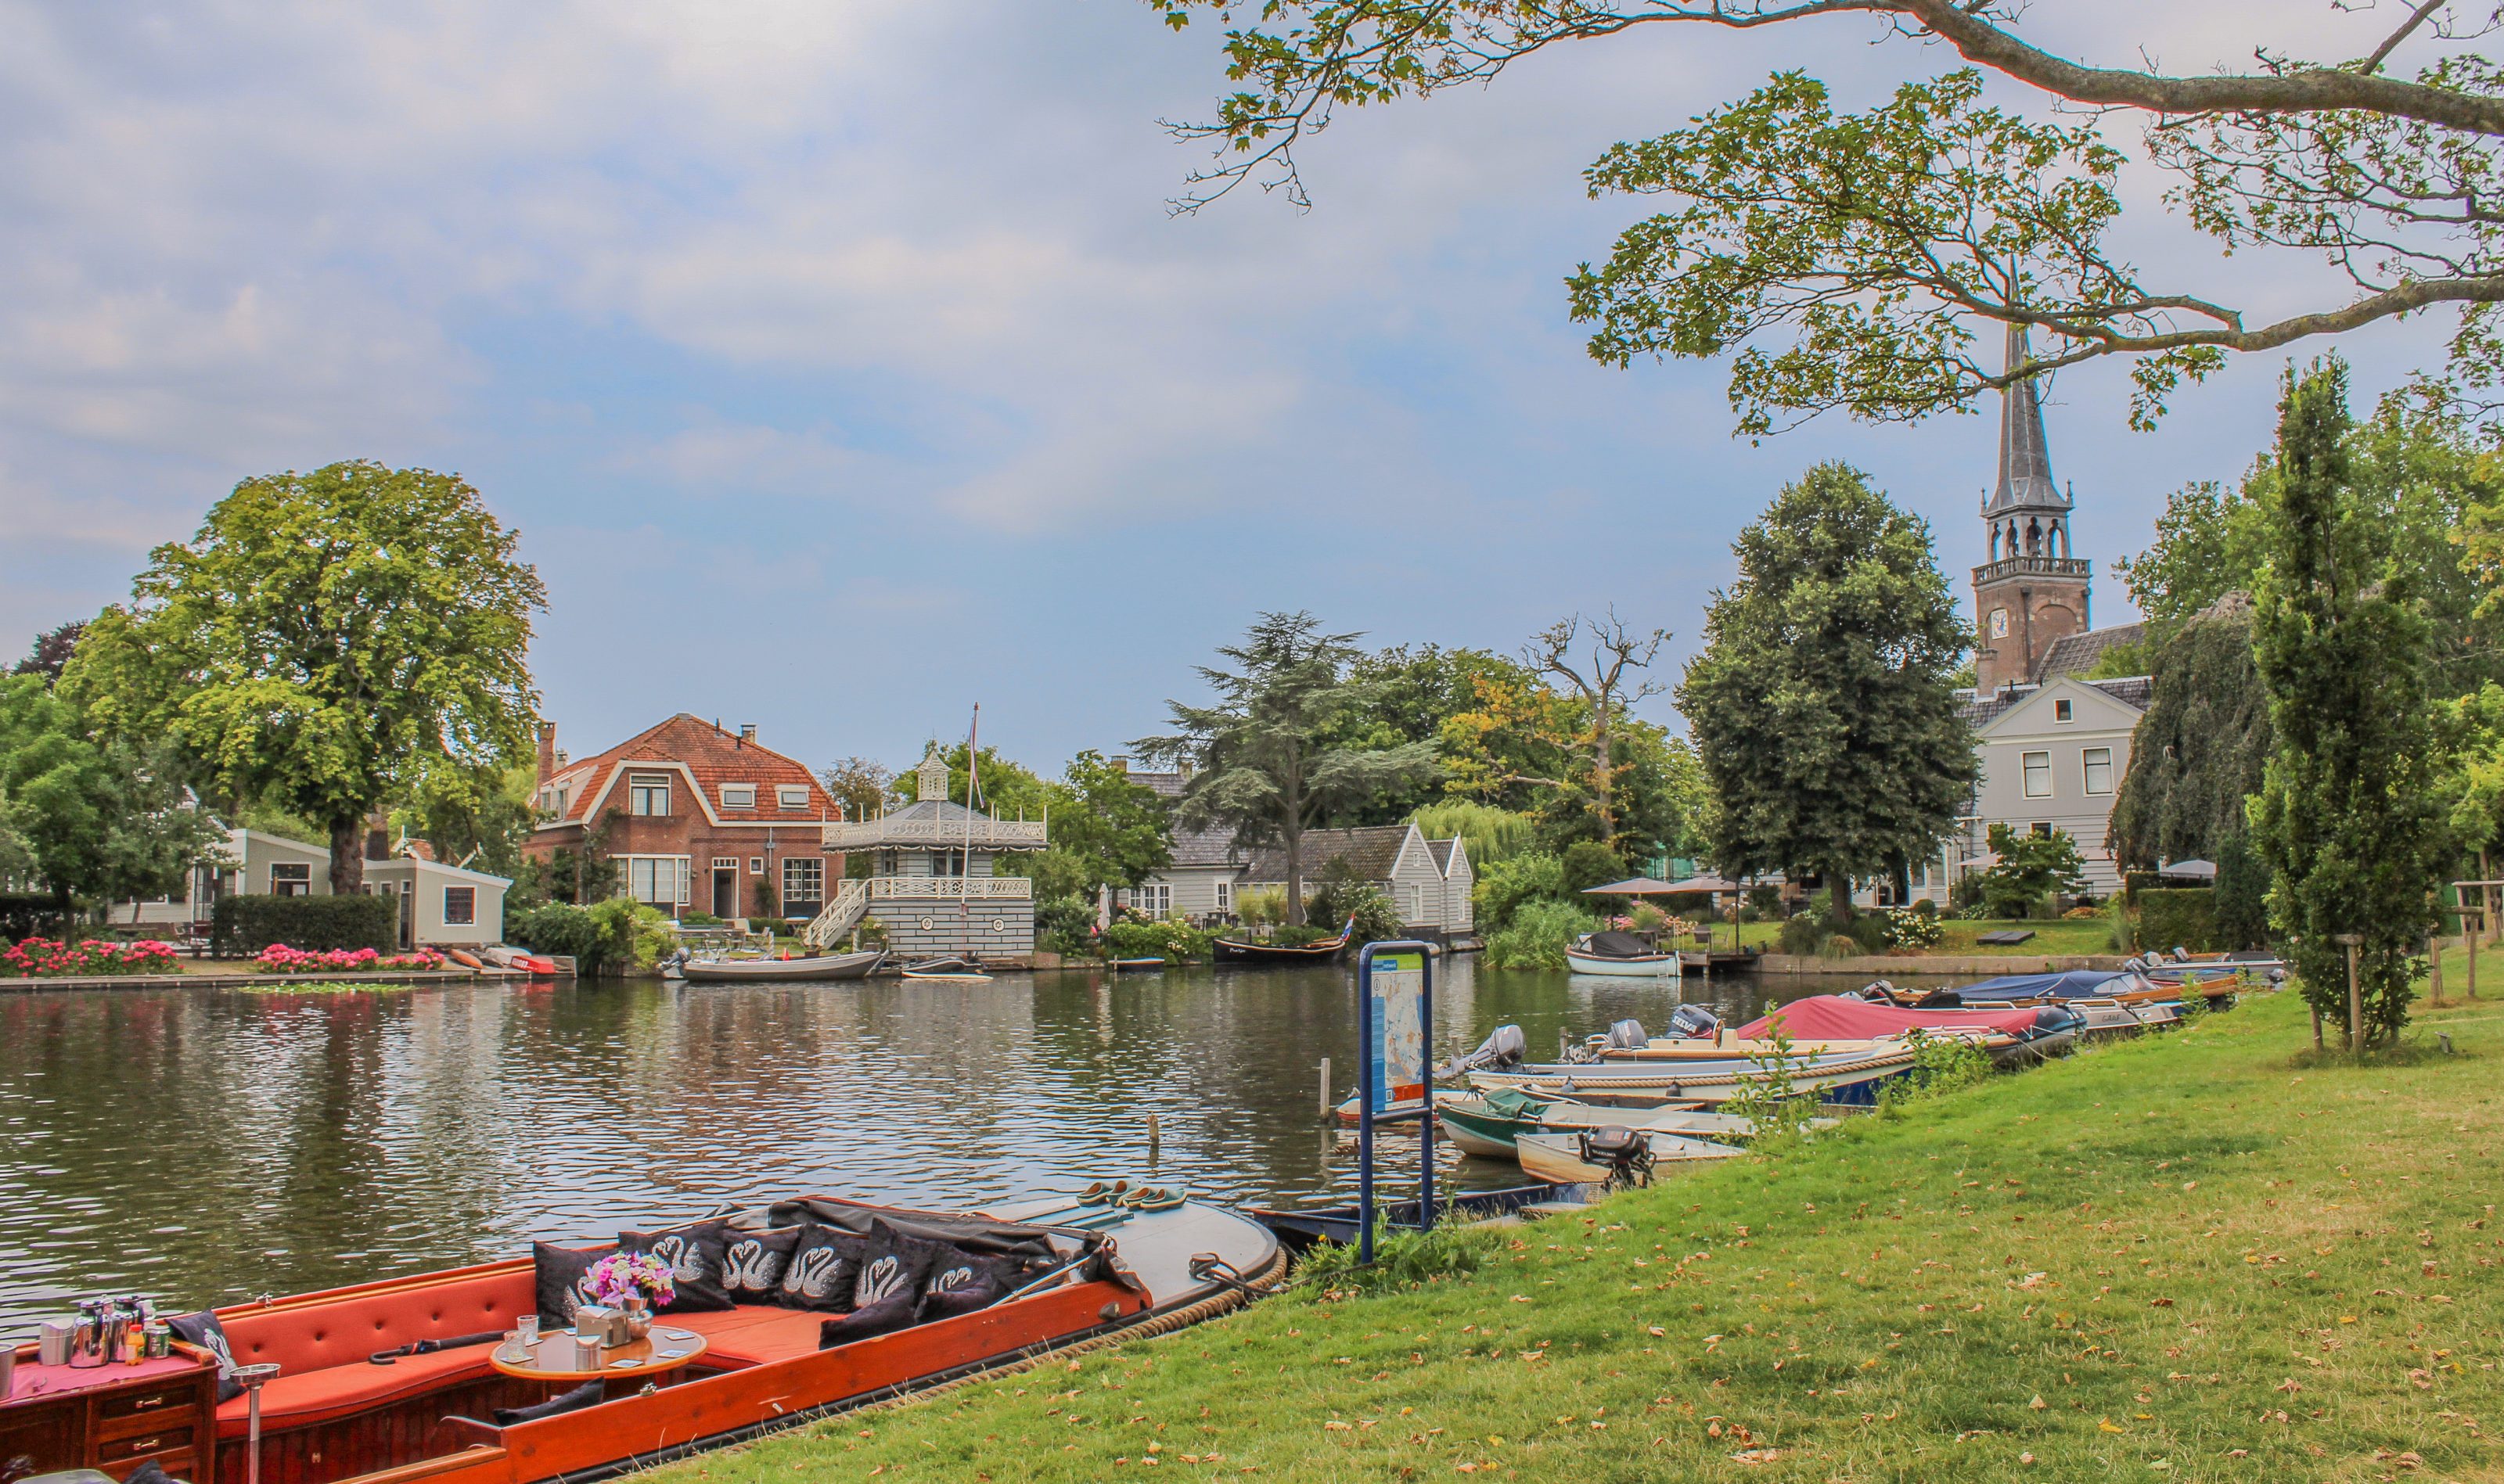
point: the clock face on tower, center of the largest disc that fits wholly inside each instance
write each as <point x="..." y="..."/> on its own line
<point x="1999" y="623"/>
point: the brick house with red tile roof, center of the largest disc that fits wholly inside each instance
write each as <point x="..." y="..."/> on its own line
<point x="694" y="817"/>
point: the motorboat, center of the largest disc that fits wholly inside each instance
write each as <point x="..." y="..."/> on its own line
<point x="769" y="970"/>
<point x="1488" y="1126"/>
<point x="2009" y="1034"/>
<point x="1586" y="1155"/>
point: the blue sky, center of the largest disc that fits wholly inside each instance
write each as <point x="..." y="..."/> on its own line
<point x="841" y="367"/>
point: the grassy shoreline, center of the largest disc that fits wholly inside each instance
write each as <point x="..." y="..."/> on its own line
<point x="2207" y="1255"/>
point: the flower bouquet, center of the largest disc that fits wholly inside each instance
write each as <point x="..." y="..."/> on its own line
<point x="640" y="1276"/>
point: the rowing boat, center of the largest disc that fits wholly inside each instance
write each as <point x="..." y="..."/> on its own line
<point x="1846" y="1078"/>
<point x="1488" y="1126"/>
<point x="1302" y="1229"/>
<point x="1243" y="951"/>
<point x="438" y="1405"/>
<point x="768" y="971"/>
<point x="1559" y="1157"/>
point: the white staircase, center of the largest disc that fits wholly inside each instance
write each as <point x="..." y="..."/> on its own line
<point x="842" y="913"/>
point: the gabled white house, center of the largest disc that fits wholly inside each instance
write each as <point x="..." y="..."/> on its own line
<point x="2052" y="758"/>
<point x="439" y="903"/>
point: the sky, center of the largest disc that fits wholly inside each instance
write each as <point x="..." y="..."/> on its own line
<point x="840" y="364"/>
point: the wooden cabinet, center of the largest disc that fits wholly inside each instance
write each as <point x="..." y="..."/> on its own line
<point x="111" y="1418"/>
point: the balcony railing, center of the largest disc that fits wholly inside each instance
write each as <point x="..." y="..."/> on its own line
<point x="2035" y="567"/>
<point x="934" y="835"/>
<point x="950" y="888"/>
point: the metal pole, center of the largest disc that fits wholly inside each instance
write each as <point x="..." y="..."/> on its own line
<point x="1426" y="1132"/>
<point x="1365" y="1108"/>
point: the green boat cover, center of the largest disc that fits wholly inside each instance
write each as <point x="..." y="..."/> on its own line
<point x="1513" y="1103"/>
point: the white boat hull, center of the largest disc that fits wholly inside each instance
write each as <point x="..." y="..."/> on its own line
<point x="1558" y="1156"/>
<point x="1650" y="966"/>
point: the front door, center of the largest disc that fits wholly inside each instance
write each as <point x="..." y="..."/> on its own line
<point x="725" y="892"/>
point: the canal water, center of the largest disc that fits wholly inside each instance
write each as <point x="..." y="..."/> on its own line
<point x="204" y="1146"/>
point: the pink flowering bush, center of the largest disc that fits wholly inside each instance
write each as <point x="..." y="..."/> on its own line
<point x="48" y="958"/>
<point x="279" y="958"/>
<point x="622" y="1275"/>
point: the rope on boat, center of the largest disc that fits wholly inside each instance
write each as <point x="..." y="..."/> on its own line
<point x="1264" y="1280"/>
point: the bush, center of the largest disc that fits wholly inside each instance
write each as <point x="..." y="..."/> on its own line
<point x="1588" y="863"/>
<point x="1942" y="1064"/>
<point x="1507" y="886"/>
<point x="1869" y="932"/>
<point x="1341" y="896"/>
<point x="244" y="925"/>
<point x="47" y="958"/>
<point x="613" y="937"/>
<point x="1840" y="946"/>
<point x="1929" y="910"/>
<point x="1763" y="904"/>
<point x="1802" y="934"/>
<point x="2177" y="917"/>
<point x="23" y="915"/>
<point x="1910" y="927"/>
<point x="1538" y="935"/>
<point x="1173" y="942"/>
<point x="1401" y="1260"/>
<point x="279" y="958"/>
<point x="1648" y="919"/>
<point x="1064" y="925"/>
<point x="1261" y="906"/>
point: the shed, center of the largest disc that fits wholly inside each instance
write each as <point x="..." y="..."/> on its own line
<point x="439" y="903"/>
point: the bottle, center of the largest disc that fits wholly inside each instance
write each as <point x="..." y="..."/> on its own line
<point x="134" y="1331"/>
<point x="86" y="1341"/>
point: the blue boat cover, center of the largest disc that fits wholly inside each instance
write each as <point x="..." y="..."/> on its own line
<point x="2069" y="985"/>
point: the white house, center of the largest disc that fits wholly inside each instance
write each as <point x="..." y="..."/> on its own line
<point x="2052" y="758"/>
<point x="1428" y="880"/>
<point x="441" y="904"/>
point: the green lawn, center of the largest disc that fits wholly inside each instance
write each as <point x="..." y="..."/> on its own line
<point x="2204" y="1257"/>
<point x="2061" y="935"/>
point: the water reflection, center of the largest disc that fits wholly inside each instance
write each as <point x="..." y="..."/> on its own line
<point x="205" y="1145"/>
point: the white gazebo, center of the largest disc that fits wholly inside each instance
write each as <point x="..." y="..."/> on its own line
<point x="931" y="884"/>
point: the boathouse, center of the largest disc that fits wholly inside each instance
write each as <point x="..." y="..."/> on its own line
<point x="932" y="885"/>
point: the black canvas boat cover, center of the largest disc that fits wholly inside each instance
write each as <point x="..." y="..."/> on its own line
<point x="1621" y="945"/>
<point x="971" y="1233"/>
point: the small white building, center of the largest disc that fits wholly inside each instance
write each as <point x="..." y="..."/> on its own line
<point x="438" y="902"/>
<point x="2052" y="757"/>
<point x="1428" y="880"/>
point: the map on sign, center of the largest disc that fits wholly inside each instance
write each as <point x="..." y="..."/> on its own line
<point x="1397" y="982"/>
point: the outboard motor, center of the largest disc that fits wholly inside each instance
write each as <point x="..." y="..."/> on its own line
<point x="1504" y="1046"/>
<point x="2181" y="954"/>
<point x="1628" y="1036"/>
<point x="1939" y="1000"/>
<point x="1693" y="1022"/>
<point x="1877" y="992"/>
<point x="1624" y="1152"/>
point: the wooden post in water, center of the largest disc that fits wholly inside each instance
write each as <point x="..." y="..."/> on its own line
<point x="1326" y="1097"/>
<point x="1155" y="1136"/>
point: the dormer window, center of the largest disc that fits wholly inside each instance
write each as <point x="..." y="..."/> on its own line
<point x="739" y="796"/>
<point x="647" y="794"/>
<point x="792" y="796"/>
<point x="2061" y="711"/>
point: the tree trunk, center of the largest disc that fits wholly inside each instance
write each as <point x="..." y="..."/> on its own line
<point x="348" y="856"/>
<point x="1838" y="891"/>
<point x="1601" y="780"/>
<point x="1295" y="838"/>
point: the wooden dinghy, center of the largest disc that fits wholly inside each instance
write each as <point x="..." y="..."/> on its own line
<point x="1327" y="951"/>
<point x="357" y="1398"/>
<point x="948" y="971"/>
<point x="775" y="971"/>
<point x="1559" y="1157"/>
<point x="1488" y="1126"/>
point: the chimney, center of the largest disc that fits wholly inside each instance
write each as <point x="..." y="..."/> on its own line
<point x="1122" y="766"/>
<point x="746" y="731"/>
<point x="550" y="757"/>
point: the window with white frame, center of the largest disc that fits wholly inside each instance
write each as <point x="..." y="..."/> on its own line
<point x="2061" y="710"/>
<point x="659" y="881"/>
<point x="804" y="879"/>
<point x="1155" y="900"/>
<point x="739" y="796"/>
<point x="756" y="865"/>
<point x="791" y="795"/>
<point x="290" y="880"/>
<point x="459" y="906"/>
<point x="2038" y="775"/>
<point x="2098" y="767"/>
<point x="1416" y="902"/>
<point x="647" y="793"/>
<point x="1225" y="897"/>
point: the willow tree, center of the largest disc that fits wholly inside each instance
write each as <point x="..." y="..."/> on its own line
<point x="1823" y="705"/>
<point x="326" y="641"/>
<point x="2349" y="816"/>
<point x="1263" y="757"/>
<point x="1861" y="260"/>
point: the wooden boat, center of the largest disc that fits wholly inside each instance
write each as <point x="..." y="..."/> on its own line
<point x="2011" y="1035"/>
<point x="773" y="971"/>
<point x="1558" y="1156"/>
<point x="1622" y="956"/>
<point x="1412" y="1109"/>
<point x="1850" y="1079"/>
<point x="1327" y="951"/>
<point x="1302" y="1229"/>
<point x="1133" y="965"/>
<point x="1488" y="1126"/>
<point x="332" y="1415"/>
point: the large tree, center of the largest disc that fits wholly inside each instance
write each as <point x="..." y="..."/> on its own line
<point x="96" y="822"/>
<point x="1114" y="830"/>
<point x="327" y="641"/>
<point x="1263" y="756"/>
<point x="2348" y="816"/>
<point x="1822" y="703"/>
<point x="1856" y="256"/>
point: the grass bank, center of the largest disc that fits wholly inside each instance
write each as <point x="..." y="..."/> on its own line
<point x="2208" y="1256"/>
<point x="2057" y="936"/>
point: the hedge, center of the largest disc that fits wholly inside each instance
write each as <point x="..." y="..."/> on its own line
<point x="244" y="925"/>
<point x="2177" y="917"/>
<point x="26" y="914"/>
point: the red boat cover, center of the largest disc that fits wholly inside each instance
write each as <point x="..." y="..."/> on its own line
<point x="1839" y="1017"/>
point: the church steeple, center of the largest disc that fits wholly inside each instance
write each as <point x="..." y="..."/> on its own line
<point x="2031" y="590"/>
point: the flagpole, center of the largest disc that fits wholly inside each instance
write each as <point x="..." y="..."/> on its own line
<point x="973" y="767"/>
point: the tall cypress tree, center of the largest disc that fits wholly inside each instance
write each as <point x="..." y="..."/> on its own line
<point x="2348" y="817"/>
<point x="1823" y="705"/>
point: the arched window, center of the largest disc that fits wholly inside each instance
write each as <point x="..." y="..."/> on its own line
<point x="2034" y="539"/>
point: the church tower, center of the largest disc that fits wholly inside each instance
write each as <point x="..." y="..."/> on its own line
<point x="2032" y="591"/>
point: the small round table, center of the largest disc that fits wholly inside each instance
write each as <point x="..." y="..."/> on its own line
<point x="668" y="1348"/>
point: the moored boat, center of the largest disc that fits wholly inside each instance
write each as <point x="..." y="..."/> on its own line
<point x="759" y="971"/>
<point x="953" y="971"/>
<point x="1849" y="1078"/>
<point x="950" y="1294"/>
<point x="2009" y="1035"/>
<point x="1621" y="955"/>
<point x="1245" y="952"/>
<point x="1301" y="1228"/>
<point x="1488" y="1126"/>
<point x="1572" y="1157"/>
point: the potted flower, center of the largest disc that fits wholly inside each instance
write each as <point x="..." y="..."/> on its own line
<point x="635" y="1284"/>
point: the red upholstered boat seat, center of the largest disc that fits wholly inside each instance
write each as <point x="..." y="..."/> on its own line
<point x="754" y="1335"/>
<point x="321" y="1349"/>
<point x="301" y="1399"/>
